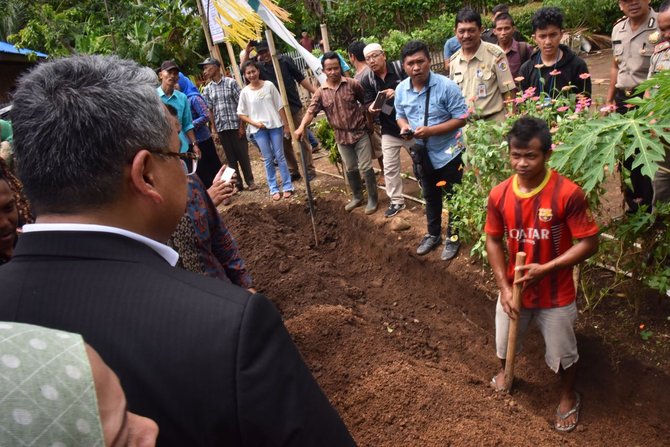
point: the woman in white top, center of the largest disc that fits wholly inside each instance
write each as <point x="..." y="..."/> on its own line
<point x="260" y="106"/>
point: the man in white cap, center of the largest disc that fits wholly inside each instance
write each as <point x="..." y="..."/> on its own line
<point x="383" y="78"/>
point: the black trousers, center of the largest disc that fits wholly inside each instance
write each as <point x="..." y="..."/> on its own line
<point x="209" y="163"/>
<point x="237" y="153"/>
<point x="451" y="173"/>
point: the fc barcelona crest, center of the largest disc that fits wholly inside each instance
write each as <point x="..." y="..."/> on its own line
<point x="544" y="214"/>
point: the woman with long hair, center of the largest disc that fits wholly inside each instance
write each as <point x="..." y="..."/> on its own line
<point x="260" y="106"/>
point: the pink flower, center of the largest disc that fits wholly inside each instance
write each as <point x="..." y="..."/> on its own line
<point x="562" y="109"/>
<point x="519" y="78"/>
<point x="608" y="108"/>
<point x="629" y="106"/>
<point x="530" y="91"/>
<point x="535" y="98"/>
<point x="554" y="72"/>
<point x="519" y="100"/>
<point x="584" y="76"/>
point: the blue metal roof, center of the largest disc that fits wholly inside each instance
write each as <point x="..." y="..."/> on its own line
<point x="9" y="48"/>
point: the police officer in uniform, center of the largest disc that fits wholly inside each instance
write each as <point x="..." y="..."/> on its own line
<point x="660" y="61"/>
<point x="633" y="41"/>
<point x="480" y="69"/>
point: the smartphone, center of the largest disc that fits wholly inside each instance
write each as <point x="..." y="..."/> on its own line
<point x="407" y="134"/>
<point x="380" y="100"/>
<point x="227" y="174"/>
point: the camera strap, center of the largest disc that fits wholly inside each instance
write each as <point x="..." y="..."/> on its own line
<point x="425" y="111"/>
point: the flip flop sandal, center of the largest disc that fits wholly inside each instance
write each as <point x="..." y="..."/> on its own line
<point x="494" y="384"/>
<point x="276" y="196"/>
<point x="562" y="417"/>
<point x="288" y="194"/>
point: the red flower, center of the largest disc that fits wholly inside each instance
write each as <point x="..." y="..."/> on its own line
<point x="554" y="72"/>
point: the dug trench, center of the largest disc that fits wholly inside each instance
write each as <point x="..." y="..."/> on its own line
<point x="404" y="346"/>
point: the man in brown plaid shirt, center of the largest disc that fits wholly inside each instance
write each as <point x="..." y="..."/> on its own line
<point x="341" y="99"/>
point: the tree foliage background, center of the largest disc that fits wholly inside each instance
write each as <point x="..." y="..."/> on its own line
<point x="148" y="31"/>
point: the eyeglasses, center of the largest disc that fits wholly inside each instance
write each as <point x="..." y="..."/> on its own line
<point x="189" y="160"/>
<point x="372" y="56"/>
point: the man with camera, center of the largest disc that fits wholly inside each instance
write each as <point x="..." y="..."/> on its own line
<point x="291" y="74"/>
<point x="431" y="108"/>
<point x="379" y="84"/>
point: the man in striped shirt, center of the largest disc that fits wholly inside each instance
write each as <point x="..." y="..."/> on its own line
<point x="540" y="212"/>
<point x="341" y="99"/>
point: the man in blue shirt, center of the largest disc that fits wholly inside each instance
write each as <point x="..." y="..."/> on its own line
<point x="446" y="114"/>
<point x="451" y="46"/>
<point x="169" y="76"/>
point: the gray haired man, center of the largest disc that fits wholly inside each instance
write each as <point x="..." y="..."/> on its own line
<point x="106" y="180"/>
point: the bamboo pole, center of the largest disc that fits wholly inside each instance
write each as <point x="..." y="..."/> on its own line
<point x="214" y="50"/>
<point x="234" y="64"/>
<point x="205" y="28"/>
<point x="291" y="125"/>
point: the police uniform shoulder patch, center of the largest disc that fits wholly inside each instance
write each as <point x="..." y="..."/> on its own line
<point x="652" y="22"/>
<point x="502" y="65"/>
<point x="545" y="214"/>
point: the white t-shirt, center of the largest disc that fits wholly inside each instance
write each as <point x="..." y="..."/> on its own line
<point x="261" y="105"/>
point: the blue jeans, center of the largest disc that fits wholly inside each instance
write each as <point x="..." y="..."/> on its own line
<point x="271" y="144"/>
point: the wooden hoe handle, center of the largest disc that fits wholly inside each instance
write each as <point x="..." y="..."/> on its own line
<point x="513" y="324"/>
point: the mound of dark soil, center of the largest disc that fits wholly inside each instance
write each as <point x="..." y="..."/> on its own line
<point x="404" y="346"/>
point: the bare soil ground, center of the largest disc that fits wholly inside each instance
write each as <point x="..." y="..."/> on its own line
<point x="404" y="345"/>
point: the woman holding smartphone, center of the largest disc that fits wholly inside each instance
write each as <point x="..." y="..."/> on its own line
<point x="260" y="106"/>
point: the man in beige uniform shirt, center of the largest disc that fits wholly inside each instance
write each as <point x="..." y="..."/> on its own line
<point x="633" y="41"/>
<point x="660" y="61"/>
<point x="480" y="69"/>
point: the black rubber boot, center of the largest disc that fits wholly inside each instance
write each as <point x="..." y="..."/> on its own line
<point x="371" y="185"/>
<point x="354" y="180"/>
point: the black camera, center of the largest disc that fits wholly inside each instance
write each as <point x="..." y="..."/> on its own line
<point x="253" y="43"/>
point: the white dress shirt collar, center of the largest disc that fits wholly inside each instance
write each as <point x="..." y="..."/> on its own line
<point x="163" y="250"/>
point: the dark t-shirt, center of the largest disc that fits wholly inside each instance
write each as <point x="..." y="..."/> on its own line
<point x="566" y="72"/>
<point x="291" y="74"/>
<point x="372" y="84"/>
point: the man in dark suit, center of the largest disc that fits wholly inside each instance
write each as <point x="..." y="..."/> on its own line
<point x="211" y="363"/>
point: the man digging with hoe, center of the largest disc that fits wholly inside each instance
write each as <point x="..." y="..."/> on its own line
<point x="539" y="212"/>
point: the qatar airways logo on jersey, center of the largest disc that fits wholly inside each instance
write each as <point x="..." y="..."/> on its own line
<point x="528" y="234"/>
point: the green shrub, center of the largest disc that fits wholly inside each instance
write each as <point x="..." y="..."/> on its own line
<point x="597" y="15"/>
